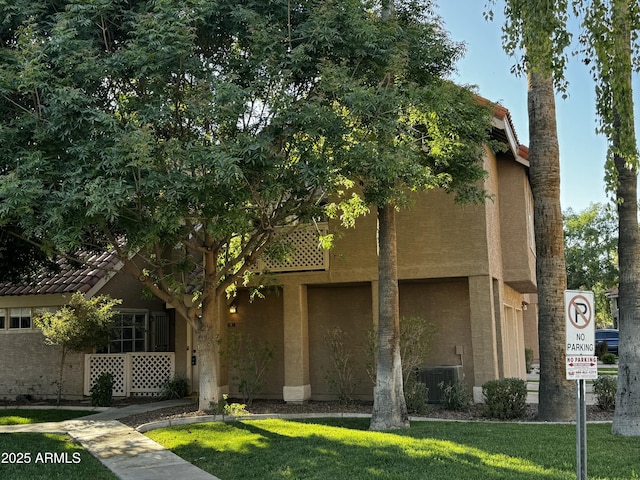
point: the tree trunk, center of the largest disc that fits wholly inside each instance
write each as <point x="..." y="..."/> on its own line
<point x="389" y="407"/>
<point x="626" y="419"/>
<point x="208" y="354"/>
<point x="556" y="395"/>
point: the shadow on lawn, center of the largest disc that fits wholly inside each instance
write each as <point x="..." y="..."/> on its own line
<point x="345" y="449"/>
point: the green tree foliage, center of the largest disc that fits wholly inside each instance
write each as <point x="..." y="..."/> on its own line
<point x="591" y="253"/>
<point x="81" y="324"/>
<point x="20" y="259"/>
<point x="188" y="135"/>
<point x="189" y="132"/>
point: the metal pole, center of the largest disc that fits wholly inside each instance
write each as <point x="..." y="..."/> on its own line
<point x="581" y="430"/>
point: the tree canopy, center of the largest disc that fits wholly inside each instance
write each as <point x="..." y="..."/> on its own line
<point x="591" y="253"/>
<point x="192" y="135"/>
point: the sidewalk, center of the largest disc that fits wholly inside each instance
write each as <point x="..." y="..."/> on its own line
<point x="127" y="453"/>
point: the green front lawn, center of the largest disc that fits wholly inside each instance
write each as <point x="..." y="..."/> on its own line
<point x="344" y="449"/>
<point x="17" y="416"/>
<point x="37" y="456"/>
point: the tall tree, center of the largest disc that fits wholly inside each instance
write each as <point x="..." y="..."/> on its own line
<point x="411" y="129"/>
<point x="608" y="30"/>
<point x="591" y="252"/>
<point x="538" y="28"/>
<point x="190" y="136"/>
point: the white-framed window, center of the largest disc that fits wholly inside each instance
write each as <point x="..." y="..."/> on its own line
<point x="20" y="318"/>
<point x="3" y="319"/>
<point x="130" y="332"/>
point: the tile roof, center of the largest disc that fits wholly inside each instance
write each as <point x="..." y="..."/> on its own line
<point x="72" y="277"/>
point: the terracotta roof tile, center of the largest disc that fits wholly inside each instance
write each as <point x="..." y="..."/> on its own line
<point x="71" y="277"/>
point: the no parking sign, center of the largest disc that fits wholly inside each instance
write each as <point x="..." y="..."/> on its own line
<point x="580" y="335"/>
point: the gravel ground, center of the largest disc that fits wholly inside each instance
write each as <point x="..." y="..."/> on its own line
<point x="474" y="413"/>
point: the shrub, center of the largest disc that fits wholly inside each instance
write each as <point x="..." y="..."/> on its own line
<point x="505" y="398"/>
<point x="416" y="396"/>
<point x="416" y="336"/>
<point x="604" y="389"/>
<point x="601" y="349"/>
<point x="455" y="395"/>
<point x="528" y="359"/>
<point x="176" y="387"/>
<point x="223" y="407"/>
<point x="340" y="375"/>
<point x="250" y="360"/>
<point x="102" y="391"/>
<point x="609" y="359"/>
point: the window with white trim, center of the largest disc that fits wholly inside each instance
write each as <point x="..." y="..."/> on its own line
<point x="130" y="333"/>
<point x="20" y="318"/>
<point x="3" y="317"/>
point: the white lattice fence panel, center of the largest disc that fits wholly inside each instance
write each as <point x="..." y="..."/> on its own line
<point x="115" y="364"/>
<point x="149" y="371"/>
<point x="306" y="255"/>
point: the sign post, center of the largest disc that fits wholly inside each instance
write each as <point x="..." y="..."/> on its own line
<point x="581" y="363"/>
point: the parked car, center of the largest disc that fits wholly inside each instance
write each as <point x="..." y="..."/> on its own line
<point x="609" y="335"/>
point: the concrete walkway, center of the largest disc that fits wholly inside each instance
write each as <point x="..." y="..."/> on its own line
<point x="126" y="452"/>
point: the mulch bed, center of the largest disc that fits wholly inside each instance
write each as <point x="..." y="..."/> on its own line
<point x="474" y="413"/>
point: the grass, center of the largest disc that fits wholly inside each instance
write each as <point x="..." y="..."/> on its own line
<point x="37" y="456"/>
<point x="18" y="416"/>
<point x="345" y="449"/>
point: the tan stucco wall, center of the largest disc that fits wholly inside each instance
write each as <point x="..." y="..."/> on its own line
<point x="446" y="305"/>
<point x="260" y="320"/>
<point x="348" y="307"/>
<point x="516" y="224"/>
<point x="127" y="288"/>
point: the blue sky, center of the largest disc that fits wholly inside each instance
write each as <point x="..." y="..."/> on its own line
<point x="582" y="152"/>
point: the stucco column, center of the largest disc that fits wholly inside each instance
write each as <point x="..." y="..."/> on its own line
<point x="483" y="332"/>
<point x="296" y="388"/>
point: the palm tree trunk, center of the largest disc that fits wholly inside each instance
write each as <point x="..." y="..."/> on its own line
<point x="389" y="407"/>
<point x="626" y="419"/>
<point x="556" y="396"/>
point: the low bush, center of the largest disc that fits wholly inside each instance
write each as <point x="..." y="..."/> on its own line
<point x="176" y="387"/>
<point x="102" y="391"/>
<point x="505" y="398"/>
<point x="223" y="407"/>
<point x="416" y="396"/>
<point x="455" y="395"/>
<point x="604" y="389"/>
<point x="609" y="359"/>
